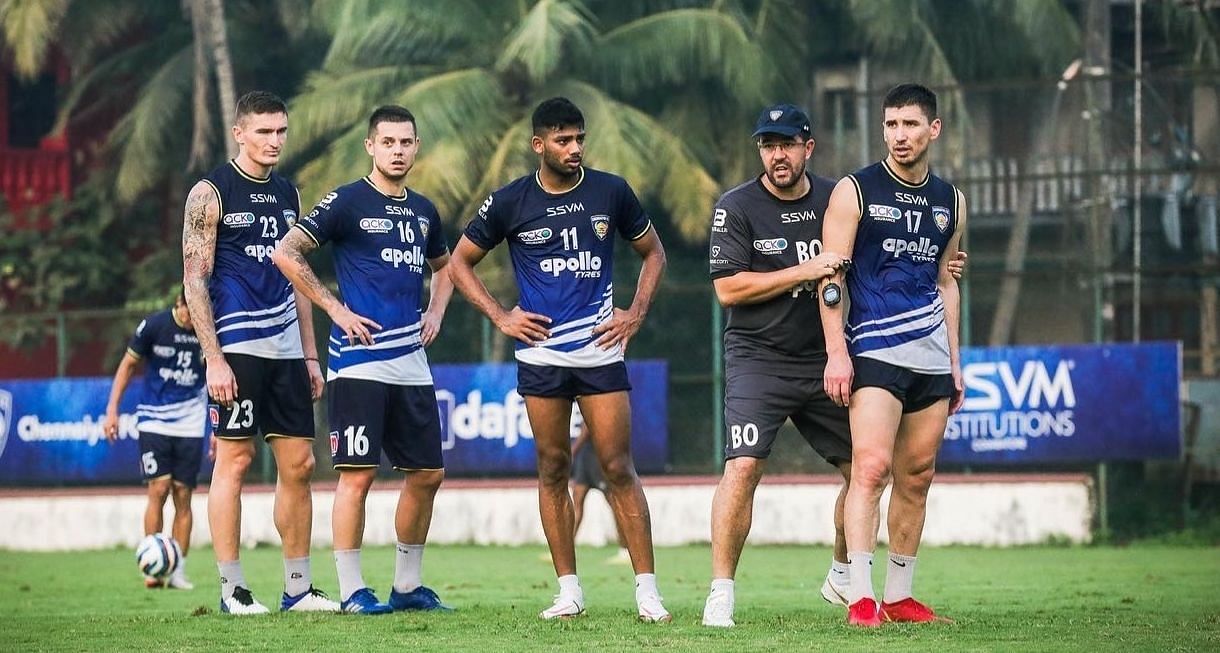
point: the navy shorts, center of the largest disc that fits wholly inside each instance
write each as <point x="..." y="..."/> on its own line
<point x="756" y="405"/>
<point x="916" y="391"/>
<point x="175" y="457"/>
<point x="273" y="398"/>
<point x="570" y="382"/>
<point x="368" y="417"/>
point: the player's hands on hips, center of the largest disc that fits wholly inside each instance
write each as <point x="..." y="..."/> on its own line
<point x="958" y="264"/>
<point x="316" y="381"/>
<point x="959" y="391"/>
<point x="837" y="379"/>
<point x="356" y="327"/>
<point x="522" y="325"/>
<point x="619" y="329"/>
<point x="110" y="425"/>
<point x="222" y="385"/>
<point x="429" y="327"/>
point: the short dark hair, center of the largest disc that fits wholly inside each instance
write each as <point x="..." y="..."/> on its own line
<point x="556" y="113"/>
<point x="389" y="113"/>
<point x="259" y="102"/>
<point x="905" y="95"/>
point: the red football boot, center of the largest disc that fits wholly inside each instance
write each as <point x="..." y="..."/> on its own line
<point x="864" y="613"/>
<point x="910" y="611"/>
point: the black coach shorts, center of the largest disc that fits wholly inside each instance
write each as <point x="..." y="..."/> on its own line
<point x="570" y="382"/>
<point x="273" y="398"/>
<point x="916" y="391"/>
<point x="756" y="405"/>
<point x="368" y="417"/>
<point x="176" y="457"/>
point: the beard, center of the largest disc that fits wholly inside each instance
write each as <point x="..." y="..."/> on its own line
<point x="795" y="172"/>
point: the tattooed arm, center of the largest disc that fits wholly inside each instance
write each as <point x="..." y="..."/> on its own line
<point x="289" y="257"/>
<point x="198" y="258"/>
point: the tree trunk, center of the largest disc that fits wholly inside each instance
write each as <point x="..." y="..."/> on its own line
<point x="224" y="65"/>
<point x="200" y="154"/>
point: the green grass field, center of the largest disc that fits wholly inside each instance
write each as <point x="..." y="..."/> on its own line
<point x="1027" y="599"/>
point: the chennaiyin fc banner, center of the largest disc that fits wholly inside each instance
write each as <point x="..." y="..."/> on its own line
<point x="51" y="430"/>
<point x="51" y="433"/>
<point x="1078" y="403"/>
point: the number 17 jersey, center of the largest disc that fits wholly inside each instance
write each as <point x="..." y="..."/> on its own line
<point x="562" y="248"/>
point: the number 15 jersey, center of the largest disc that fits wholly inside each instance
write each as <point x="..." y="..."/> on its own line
<point x="562" y="248"/>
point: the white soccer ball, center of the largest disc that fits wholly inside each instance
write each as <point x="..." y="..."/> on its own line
<point x="158" y="555"/>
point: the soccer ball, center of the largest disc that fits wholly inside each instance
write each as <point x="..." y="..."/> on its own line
<point x="158" y="555"/>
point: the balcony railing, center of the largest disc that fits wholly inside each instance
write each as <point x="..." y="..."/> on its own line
<point x="31" y="177"/>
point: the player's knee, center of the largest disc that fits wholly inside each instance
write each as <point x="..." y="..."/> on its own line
<point x="743" y="471"/>
<point x="619" y="471"/>
<point x="182" y="496"/>
<point x="158" y="490"/>
<point x="916" y="477"/>
<point x="357" y="481"/>
<point x="234" y="463"/>
<point x="870" y="470"/>
<point x="554" y="467"/>
<point x="428" y="480"/>
<point x="298" y="469"/>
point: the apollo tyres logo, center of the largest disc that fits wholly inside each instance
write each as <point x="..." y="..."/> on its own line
<point x="6" y="417"/>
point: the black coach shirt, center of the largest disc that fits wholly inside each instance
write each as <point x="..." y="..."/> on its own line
<point x="755" y="231"/>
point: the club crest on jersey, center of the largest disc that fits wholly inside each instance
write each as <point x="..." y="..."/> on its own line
<point x="290" y="217"/>
<point x="334" y="443"/>
<point x="940" y="215"/>
<point x="423" y="226"/>
<point x="601" y="226"/>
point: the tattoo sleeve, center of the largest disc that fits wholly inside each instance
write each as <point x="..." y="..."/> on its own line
<point x="198" y="258"/>
<point x="290" y="257"/>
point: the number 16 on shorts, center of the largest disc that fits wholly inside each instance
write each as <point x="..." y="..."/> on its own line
<point x="350" y="446"/>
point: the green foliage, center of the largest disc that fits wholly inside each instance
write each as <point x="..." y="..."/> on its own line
<point x="1025" y="599"/>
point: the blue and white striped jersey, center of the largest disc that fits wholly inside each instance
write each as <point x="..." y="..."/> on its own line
<point x="896" y="314"/>
<point x="562" y="248"/>
<point x="381" y="245"/>
<point x="173" y="402"/>
<point x="252" y="301"/>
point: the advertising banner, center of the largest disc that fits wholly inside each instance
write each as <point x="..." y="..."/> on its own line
<point x="1072" y="403"/>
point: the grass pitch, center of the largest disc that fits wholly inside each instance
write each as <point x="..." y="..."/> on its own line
<point x="1027" y="599"/>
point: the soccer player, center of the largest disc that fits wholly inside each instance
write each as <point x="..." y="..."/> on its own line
<point x="765" y="259"/>
<point x="560" y="223"/>
<point x="381" y="396"/>
<point x="259" y="352"/>
<point x="170" y="418"/>
<point x="896" y="365"/>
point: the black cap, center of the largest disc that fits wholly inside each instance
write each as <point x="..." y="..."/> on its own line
<point x="783" y="119"/>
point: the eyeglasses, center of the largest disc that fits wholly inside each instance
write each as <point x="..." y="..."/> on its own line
<point x="771" y="147"/>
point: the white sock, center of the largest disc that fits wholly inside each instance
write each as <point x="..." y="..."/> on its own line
<point x="840" y="574"/>
<point x="408" y="567"/>
<point x="350" y="579"/>
<point x="230" y="577"/>
<point x="723" y="585"/>
<point x="645" y="584"/>
<point x="899" y="574"/>
<point x="861" y="572"/>
<point x="570" y="585"/>
<point x="297" y="576"/>
<point x="180" y="572"/>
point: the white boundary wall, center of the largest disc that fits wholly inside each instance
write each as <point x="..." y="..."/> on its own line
<point x="787" y="510"/>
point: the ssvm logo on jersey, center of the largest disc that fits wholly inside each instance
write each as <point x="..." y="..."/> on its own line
<point x="601" y="226"/>
<point x="771" y="245"/>
<point x="535" y="236"/>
